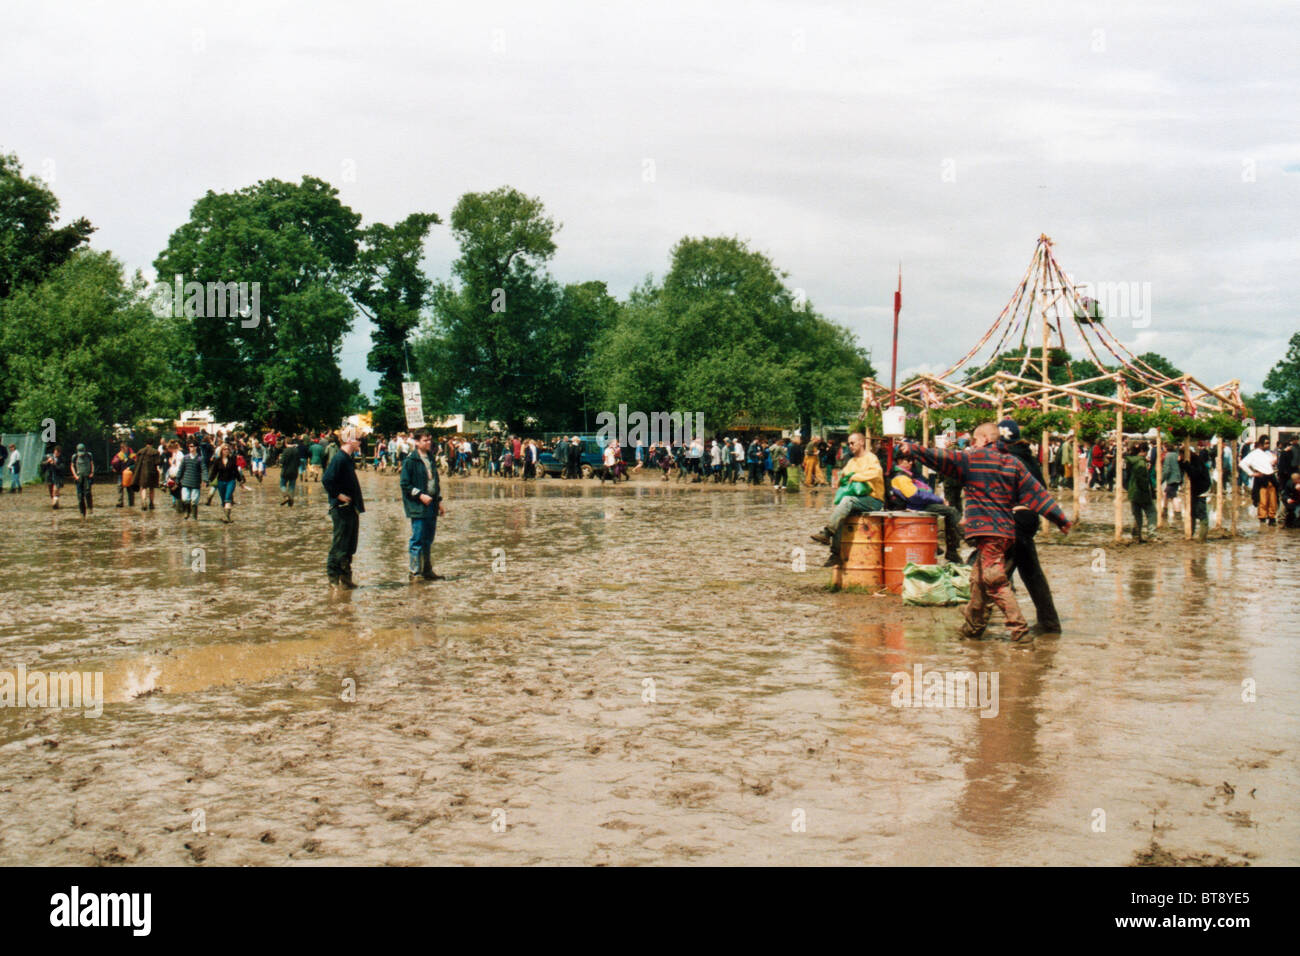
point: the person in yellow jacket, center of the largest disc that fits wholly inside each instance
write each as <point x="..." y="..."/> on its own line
<point x="862" y="488"/>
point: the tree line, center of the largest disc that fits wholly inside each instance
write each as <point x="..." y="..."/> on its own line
<point x="499" y="339"/>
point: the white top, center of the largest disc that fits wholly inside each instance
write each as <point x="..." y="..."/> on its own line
<point x="1261" y="461"/>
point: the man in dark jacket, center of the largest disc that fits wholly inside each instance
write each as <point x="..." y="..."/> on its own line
<point x="1024" y="553"/>
<point x="422" y="502"/>
<point x="289" y="470"/>
<point x="346" y="507"/>
<point x="1196" y="469"/>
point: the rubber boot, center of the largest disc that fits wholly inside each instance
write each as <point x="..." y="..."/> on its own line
<point x="426" y="569"/>
<point x="194" y="511"/>
<point x="56" y="502"/>
<point x="415" y="568"/>
<point x="227" y="517"/>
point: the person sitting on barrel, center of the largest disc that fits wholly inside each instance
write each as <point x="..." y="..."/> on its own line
<point x="861" y="489"/>
<point x="910" y="493"/>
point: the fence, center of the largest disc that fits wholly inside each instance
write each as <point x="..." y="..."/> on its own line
<point x="30" y="452"/>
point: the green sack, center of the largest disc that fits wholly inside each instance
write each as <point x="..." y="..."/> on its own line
<point x="854" y="489"/>
<point x="936" y="585"/>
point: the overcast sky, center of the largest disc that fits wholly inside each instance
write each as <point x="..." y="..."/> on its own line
<point x="1155" y="143"/>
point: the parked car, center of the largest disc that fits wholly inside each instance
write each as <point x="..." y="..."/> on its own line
<point x="592" y="458"/>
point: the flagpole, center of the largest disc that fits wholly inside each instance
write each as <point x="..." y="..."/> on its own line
<point x="893" y="375"/>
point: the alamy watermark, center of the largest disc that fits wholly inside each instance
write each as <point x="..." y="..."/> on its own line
<point x="208" y="300"/>
<point x="649" y="429"/>
<point x="61" y="690"/>
<point x="946" y="689"/>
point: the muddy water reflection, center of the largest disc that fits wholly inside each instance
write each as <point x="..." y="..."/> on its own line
<point x="631" y="675"/>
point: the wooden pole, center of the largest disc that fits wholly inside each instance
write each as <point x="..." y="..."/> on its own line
<point x="1187" y="491"/>
<point x="1235" y="504"/>
<point x="1218" y="482"/>
<point x="925" y="426"/>
<point x="1119" y="466"/>
<point x="1161" y="504"/>
<point x="1074" y="462"/>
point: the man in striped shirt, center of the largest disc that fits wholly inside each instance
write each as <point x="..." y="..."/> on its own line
<point x="993" y="483"/>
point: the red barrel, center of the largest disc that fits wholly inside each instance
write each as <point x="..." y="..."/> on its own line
<point x="861" y="555"/>
<point x="910" y="537"/>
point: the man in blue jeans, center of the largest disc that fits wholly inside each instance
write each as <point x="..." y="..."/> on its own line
<point x="422" y="502"/>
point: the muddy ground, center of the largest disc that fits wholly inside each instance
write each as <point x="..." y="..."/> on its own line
<point x="630" y="675"/>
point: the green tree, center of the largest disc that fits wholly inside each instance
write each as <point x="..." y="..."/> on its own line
<point x="300" y="244"/>
<point x="490" y="349"/>
<point x="724" y="336"/>
<point x="1281" y="405"/>
<point x="30" y="246"/>
<point x="84" y="348"/>
<point x="391" y="289"/>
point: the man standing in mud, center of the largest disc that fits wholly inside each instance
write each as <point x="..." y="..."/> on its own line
<point x="346" y="507"/>
<point x="83" y="473"/>
<point x="289" y="470"/>
<point x="993" y="483"/>
<point x="1024" y="555"/>
<point x="422" y="502"/>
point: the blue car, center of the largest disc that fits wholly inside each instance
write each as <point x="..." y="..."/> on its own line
<point x="592" y="458"/>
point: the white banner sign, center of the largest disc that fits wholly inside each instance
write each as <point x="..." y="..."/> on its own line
<point x="414" y="406"/>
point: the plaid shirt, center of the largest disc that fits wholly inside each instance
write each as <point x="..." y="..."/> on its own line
<point x="994" y="482"/>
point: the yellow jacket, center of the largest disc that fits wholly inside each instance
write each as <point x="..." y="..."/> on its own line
<point x="866" y="469"/>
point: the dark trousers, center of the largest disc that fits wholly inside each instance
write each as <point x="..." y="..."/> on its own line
<point x="1024" y="559"/>
<point x="128" y="491"/>
<point x="343" y="544"/>
<point x="951" y="536"/>
<point x="84" y="499"/>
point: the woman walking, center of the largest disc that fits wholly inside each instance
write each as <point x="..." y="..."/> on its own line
<point x="145" y="479"/>
<point x="189" y="476"/>
<point x="223" y="473"/>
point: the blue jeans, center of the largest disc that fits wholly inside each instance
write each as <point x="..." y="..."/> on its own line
<point x="190" y="495"/>
<point x="422" y="531"/>
<point x="227" y="491"/>
<point x="15" y="479"/>
<point x="849" y="505"/>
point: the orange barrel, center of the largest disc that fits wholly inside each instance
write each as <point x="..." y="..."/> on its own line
<point x="860" y="552"/>
<point x="910" y="537"/>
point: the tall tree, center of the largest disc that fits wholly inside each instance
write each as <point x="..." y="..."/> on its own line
<point x="30" y="246"/>
<point x="488" y="346"/>
<point x="391" y="289"/>
<point x="299" y="243"/>
<point x="84" y="349"/>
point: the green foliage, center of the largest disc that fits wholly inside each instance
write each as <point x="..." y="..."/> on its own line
<point x="1281" y="397"/>
<point x="505" y="341"/>
<point x="723" y="336"/>
<point x="301" y="244"/>
<point x="83" y="348"/>
<point x="30" y="246"/>
<point x="391" y="289"/>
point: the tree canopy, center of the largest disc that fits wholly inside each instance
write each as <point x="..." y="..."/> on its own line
<point x="300" y="244"/>
<point x="84" y="349"/>
<point x="30" y="245"/>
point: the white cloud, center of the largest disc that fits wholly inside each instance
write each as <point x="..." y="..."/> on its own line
<point x="1150" y="142"/>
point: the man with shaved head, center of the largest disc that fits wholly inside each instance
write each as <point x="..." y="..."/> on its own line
<point x="994" y="482"/>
